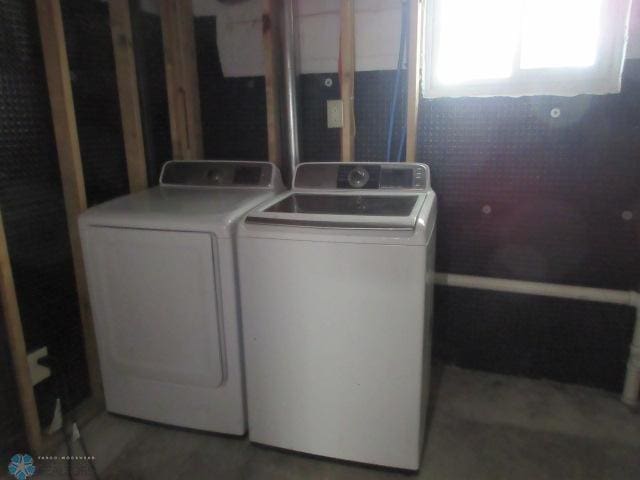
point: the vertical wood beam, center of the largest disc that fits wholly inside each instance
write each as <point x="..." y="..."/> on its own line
<point x="181" y="70"/>
<point x="272" y="44"/>
<point x="347" y="79"/>
<point x="18" y="348"/>
<point x="64" y="123"/>
<point x="125" y="61"/>
<point x="414" y="62"/>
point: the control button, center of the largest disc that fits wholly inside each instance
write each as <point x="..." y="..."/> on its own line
<point x="358" y="177"/>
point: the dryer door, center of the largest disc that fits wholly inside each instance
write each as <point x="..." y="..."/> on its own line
<point x="155" y="307"/>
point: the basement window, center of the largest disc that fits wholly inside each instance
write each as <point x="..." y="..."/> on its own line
<point x="523" y="47"/>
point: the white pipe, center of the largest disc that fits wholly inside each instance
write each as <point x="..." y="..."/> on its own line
<point x="631" y="391"/>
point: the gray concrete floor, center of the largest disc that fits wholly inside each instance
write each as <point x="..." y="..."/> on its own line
<point x="482" y="426"/>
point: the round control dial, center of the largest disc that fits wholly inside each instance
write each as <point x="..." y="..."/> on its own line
<point x="358" y="177"/>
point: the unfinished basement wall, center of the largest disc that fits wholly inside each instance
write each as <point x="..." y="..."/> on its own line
<point x="32" y="204"/>
<point x="525" y="196"/>
<point x="234" y="116"/>
<point x="12" y="435"/>
<point x="95" y="95"/>
<point x="30" y="190"/>
<point x="522" y="195"/>
<point x="233" y="110"/>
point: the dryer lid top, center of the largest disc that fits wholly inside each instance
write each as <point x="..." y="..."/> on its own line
<point x="184" y="201"/>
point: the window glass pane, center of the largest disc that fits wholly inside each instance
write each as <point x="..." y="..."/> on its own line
<point x="476" y="40"/>
<point x="560" y="33"/>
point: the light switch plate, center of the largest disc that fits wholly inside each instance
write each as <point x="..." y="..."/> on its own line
<point x="334" y="114"/>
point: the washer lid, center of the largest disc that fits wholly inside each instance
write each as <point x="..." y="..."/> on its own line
<point x="341" y="211"/>
<point x="376" y="205"/>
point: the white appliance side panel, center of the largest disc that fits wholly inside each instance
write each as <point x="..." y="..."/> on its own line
<point x="427" y="346"/>
<point x="334" y="347"/>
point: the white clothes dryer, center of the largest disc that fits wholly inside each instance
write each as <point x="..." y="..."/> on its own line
<point x="161" y="271"/>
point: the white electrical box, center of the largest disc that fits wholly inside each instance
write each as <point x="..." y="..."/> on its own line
<point x="334" y="114"/>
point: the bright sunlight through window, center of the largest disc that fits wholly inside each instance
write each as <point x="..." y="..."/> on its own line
<point x="524" y="47"/>
<point x="560" y="33"/>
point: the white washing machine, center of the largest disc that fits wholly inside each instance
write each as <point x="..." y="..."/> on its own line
<point x="161" y="269"/>
<point x="336" y="281"/>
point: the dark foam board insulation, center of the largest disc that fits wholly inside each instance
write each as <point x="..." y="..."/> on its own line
<point x="95" y="96"/>
<point x="12" y="435"/>
<point x="234" y="115"/>
<point x="233" y="110"/>
<point x="372" y="112"/>
<point x="32" y="203"/>
<point x="317" y="142"/>
<point x="153" y="91"/>
<point x="524" y="195"/>
<point x="566" y="340"/>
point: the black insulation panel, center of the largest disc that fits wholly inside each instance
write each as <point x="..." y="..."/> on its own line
<point x="234" y="115"/>
<point x="317" y="142"/>
<point x="233" y="110"/>
<point x="32" y="203"/>
<point x="95" y="96"/>
<point x="566" y="340"/>
<point x="12" y="435"/>
<point x="153" y="91"/>
<point x="524" y="195"/>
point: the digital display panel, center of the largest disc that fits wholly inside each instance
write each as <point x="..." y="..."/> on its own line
<point x="397" y="177"/>
<point x="247" y="175"/>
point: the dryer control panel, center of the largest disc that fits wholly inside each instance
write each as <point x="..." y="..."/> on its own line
<point x="211" y="173"/>
<point x="362" y="175"/>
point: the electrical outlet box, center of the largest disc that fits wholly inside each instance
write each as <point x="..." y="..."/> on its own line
<point x="334" y="114"/>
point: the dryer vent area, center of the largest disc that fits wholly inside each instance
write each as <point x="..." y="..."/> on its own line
<point x="364" y="237"/>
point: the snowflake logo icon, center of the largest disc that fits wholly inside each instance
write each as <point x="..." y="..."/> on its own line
<point x="21" y="466"/>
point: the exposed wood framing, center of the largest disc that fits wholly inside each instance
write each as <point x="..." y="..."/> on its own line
<point x="64" y="122"/>
<point x="18" y="348"/>
<point x="413" y="76"/>
<point x="347" y="79"/>
<point x="271" y="41"/>
<point x="181" y="70"/>
<point x="125" y="61"/>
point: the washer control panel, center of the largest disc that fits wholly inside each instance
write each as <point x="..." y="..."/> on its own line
<point x="365" y="176"/>
<point x="210" y="173"/>
<point x="358" y="176"/>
